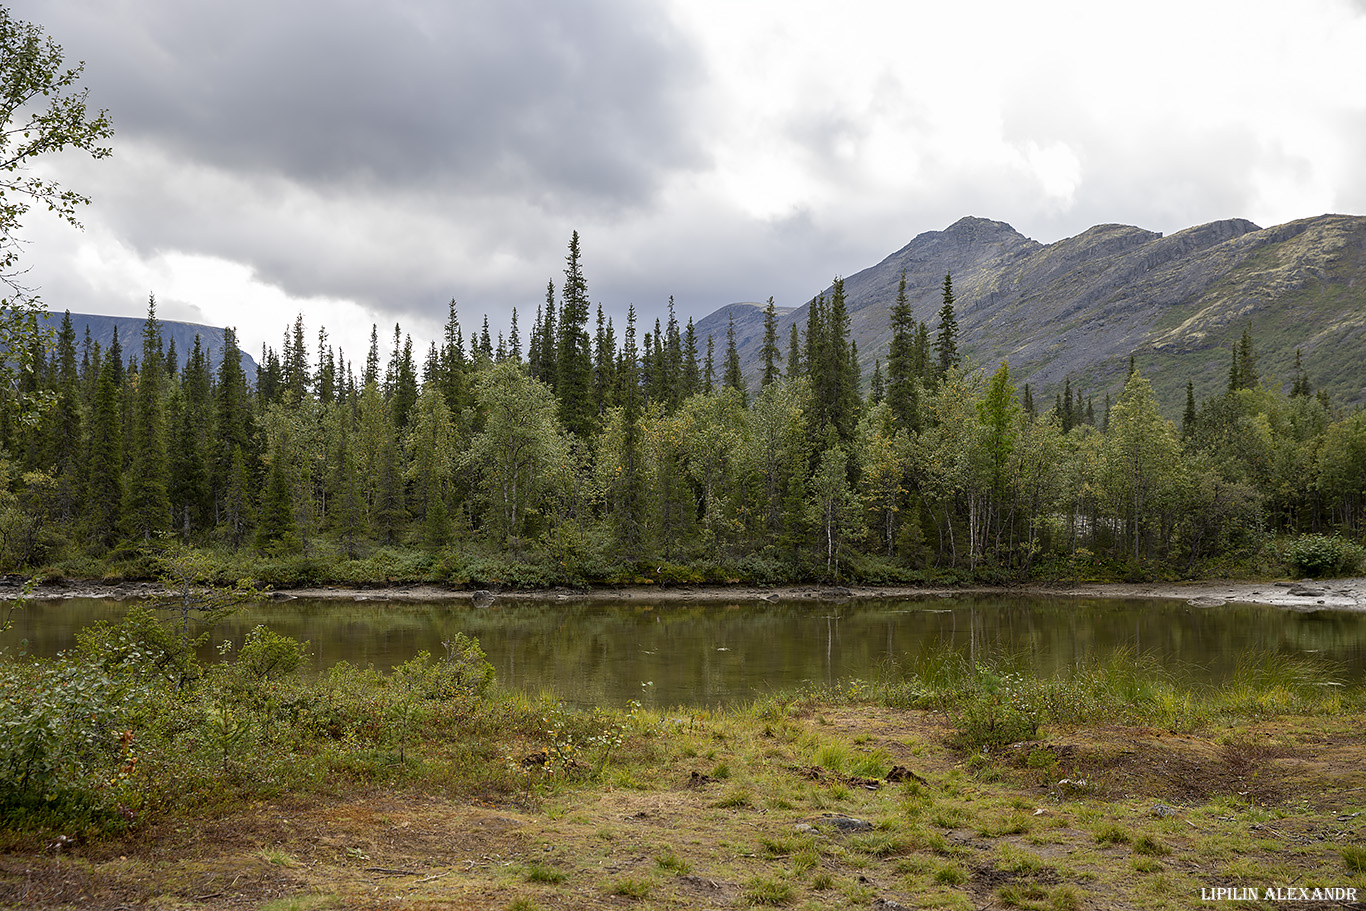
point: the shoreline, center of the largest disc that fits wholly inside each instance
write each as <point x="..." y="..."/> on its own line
<point x="1305" y="595"/>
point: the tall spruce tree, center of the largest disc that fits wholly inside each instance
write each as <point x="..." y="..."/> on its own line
<point x="903" y="373"/>
<point x="147" y="510"/>
<point x="66" y="425"/>
<point x="734" y="379"/>
<point x="794" y="353"/>
<point x="232" y="408"/>
<point x="574" y="360"/>
<point x="691" y="379"/>
<point x="104" y="458"/>
<point x="832" y="368"/>
<point x="770" y="353"/>
<point x="946" y="341"/>
<point x="1243" y="373"/>
<point x="628" y="485"/>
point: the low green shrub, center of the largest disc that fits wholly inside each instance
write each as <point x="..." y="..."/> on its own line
<point x="66" y="736"/>
<point x="1317" y="556"/>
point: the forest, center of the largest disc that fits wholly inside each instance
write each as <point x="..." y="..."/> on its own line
<point x="585" y="458"/>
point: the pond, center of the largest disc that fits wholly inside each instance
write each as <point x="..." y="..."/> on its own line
<point x="610" y="653"/>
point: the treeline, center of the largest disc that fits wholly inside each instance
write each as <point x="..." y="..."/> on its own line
<point x="590" y="459"/>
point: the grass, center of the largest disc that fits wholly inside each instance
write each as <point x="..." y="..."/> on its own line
<point x="540" y="873"/>
<point x="767" y="890"/>
<point x="465" y="800"/>
<point x="632" y="887"/>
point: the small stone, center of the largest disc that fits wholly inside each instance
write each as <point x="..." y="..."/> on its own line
<point x="845" y="823"/>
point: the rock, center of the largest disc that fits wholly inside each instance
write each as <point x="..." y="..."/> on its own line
<point x="1306" y="591"/>
<point x="483" y="598"/>
<point x="1161" y="810"/>
<point x="841" y="822"/>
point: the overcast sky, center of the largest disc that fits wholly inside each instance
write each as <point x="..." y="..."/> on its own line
<point x="365" y="162"/>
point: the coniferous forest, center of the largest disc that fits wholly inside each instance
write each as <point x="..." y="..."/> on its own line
<point x="601" y="454"/>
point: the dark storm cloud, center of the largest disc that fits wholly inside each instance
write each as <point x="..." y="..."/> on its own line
<point x="560" y="103"/>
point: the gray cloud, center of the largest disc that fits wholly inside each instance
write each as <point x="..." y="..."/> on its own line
<point x="582" y="104"/>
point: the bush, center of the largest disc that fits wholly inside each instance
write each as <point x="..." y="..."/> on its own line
<point x="1324" y="555"/>
<point x="268" y="655"/>
<point x="65" y="744"/>
<point x="139" y="646"/>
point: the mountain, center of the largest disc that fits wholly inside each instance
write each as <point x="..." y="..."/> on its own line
<point x="1080" y="307"/>
<point x="130" y="337"/>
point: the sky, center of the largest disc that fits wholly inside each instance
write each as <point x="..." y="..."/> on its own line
<point x="364" y="163"/>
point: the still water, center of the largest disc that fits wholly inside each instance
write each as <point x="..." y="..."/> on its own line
<point x="693" y="654"/>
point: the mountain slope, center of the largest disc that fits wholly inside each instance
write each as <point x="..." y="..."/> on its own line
<point x="130" y="337"/>
<point x="1081" y="306"/>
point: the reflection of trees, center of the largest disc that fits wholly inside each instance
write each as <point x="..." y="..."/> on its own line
<point x="709" y="653"/>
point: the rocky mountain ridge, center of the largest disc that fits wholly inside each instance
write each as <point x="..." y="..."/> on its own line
<point x="1079" y="307"/>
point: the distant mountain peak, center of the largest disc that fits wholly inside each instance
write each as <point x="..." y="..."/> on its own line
<point x="972" y="226"/>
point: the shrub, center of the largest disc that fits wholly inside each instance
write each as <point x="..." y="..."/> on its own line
<point x="269" y="655"/>
<point x="65" y="743"/>
<point x="139" y="646"/>
<point x="1323" y="555"/>
<point x="997" y="711"/>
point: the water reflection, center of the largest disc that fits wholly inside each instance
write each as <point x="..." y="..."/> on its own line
<point x="708" y="654"/>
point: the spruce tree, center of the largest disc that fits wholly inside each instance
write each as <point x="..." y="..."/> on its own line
<point x="325" y="380"/>
<point x="628" y="485"/>
<point x="66" y="425"/>
<point x="104" y="459"/>
<point x="691" y="380"/>
<point x="673" y="357"/>
<point x="275" y="528"/>
<point x="877" y="389"/>
<point x="1301" y="385"/>
<point x="832" y="367"/>
<point x="733" y="377"/>
<point x="903" y="374"/>
<point x="294" y="371"/>
<point x="946" y="342"/>
<point x="794" y="353"/>
<point x="1189" y="416"/>
<point x="574" y="367"/>
<point x="770" y="353"/>
<point x="233" y="427"/>
<point x="147" y="510"/>
<point x="604" y="366"/>
<point x="191" y="435"/>
<point x="709" y="371"/>
<point x="1243" y="373"/>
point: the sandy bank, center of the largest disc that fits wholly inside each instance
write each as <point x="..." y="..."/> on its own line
<point x="1338" y="594"/>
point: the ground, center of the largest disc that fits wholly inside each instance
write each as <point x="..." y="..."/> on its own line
<point x="1340" y="594"/>
<point x="723" y="811"/>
